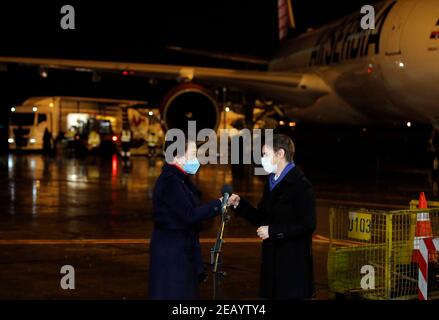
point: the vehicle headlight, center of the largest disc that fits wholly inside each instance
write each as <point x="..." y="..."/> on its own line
<point x="32" y="140"/>
<point x="10" y="140"/>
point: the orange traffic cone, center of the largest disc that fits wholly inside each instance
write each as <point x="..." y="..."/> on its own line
<point x="423" y="228"/>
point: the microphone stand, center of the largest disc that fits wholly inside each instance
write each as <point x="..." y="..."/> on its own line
<point x="215" y="252"/>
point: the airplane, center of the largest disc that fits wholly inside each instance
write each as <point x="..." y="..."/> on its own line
<point x="337" y="74"/>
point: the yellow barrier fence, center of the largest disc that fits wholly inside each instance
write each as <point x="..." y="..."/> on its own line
<point x="371" y="253"/>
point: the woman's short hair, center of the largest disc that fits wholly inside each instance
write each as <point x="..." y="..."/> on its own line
<point x="180" y="147"/>
<point x="282" y="141"/>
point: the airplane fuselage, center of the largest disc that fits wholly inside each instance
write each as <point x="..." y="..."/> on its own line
<point x="388" y="74"/>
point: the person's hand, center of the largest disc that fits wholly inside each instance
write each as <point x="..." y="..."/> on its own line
<point x="263" y="232"/>
<point x="233" y="200"/>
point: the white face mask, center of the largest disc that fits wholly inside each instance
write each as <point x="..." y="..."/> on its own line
<point x="269" y="167"/>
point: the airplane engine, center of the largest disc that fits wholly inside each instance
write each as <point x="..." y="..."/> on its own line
<point x="190" y="102"/>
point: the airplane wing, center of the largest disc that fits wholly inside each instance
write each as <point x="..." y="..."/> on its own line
<point x="220" y="55"/>
<point x="296" y="89"/>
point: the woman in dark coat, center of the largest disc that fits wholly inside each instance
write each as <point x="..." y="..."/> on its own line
<point x="286" y="220"/>
<point x="175" y="256"/>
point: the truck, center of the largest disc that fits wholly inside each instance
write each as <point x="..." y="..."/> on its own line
<point x="45" y="122"/>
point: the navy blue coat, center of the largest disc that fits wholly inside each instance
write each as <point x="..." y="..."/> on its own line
<point x="175" y="253"/>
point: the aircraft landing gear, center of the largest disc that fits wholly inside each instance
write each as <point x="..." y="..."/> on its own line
<point x="435" y="165"/>
<point x="434" y="147"/>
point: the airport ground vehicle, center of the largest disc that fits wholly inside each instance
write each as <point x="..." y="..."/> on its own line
<point x="58" y="119"/>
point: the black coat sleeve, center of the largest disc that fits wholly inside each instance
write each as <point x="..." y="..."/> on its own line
<point x="177" y="201"/>
<point x="253" y="215"/>
<point x="306" y="218"/>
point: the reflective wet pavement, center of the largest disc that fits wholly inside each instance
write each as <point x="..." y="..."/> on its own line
<point x="95" y="215"/>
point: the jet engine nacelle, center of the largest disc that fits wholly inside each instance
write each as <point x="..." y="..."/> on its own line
<point x="189" y="102"/>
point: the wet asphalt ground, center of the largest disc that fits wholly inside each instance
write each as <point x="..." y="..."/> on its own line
<point x="95" y="215"/>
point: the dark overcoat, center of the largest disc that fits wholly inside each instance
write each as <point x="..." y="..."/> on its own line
<point x="175" y="255"/>
<point x="289" y="211"/>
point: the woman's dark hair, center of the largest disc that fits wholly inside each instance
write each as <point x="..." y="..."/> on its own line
<point x="282" y="141"/>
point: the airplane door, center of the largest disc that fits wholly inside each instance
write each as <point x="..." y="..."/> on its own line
<point x="397" y="21"/>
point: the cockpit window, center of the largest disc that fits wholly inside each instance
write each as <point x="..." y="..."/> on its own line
<point x="42" y="117"/>
<point x="22" y="119"/>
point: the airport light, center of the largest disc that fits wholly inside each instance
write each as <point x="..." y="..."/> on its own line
<point x="95" y="77"/>
<point x="409" y="124"/>
<point x="114" y="138"/>
<point x="227" y="109"/>
<point x="401" y="65"/>
<point x="125" y="73"/>
<point x="34" y="109"/>
<point x="32" y="140"/>
<point x="13" y="109"/>
<point x="292" y="124"/>
<point x="43" y="73"/>
<point x="281" y="122"/>
<point x="10" y="140"/>
<point x="150" y="113"/>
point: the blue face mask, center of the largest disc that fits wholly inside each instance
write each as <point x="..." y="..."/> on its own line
<point x="191" y="166"/>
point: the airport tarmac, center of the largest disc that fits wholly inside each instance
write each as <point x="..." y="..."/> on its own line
<point x="95" y="215"/>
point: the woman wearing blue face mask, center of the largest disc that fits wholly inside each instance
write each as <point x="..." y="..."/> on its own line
<point x="176" y="265"/>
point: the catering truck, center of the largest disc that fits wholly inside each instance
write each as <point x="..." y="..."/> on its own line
<point x="46" y="121"/>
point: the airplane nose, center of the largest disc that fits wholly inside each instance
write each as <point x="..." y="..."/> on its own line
<point x="420" y="41"/>
<point x="418" y="63"/>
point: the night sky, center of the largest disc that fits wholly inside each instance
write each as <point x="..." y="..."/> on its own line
<point x="140" y="30"/>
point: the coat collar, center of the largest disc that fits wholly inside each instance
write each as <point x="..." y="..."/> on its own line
<point x="174" y="170"/>
<point x="290" y="178"/>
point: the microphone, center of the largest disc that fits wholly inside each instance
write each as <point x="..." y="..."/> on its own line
<point x="226" y="192"/>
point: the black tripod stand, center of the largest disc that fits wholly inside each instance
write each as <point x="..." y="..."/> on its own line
<point x="215" y="251"/>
